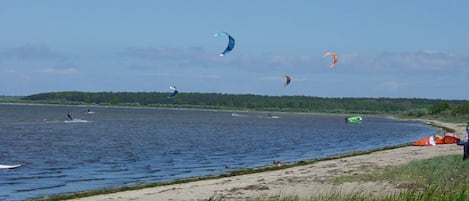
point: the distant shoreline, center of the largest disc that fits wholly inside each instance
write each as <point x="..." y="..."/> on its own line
<point x="389" y="116"/>
<point x="182" y="108"/>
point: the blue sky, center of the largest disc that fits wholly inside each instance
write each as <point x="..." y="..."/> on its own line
<point x="397" y="49"/>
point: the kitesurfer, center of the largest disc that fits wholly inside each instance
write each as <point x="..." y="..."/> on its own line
<point x="69" y="115"/>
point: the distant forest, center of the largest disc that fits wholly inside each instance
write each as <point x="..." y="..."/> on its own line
<point x="408" y="106"/>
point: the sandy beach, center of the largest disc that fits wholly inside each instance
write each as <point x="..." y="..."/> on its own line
<point x="302" y="181"/>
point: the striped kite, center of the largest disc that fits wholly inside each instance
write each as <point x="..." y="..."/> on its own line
<point x="334" y="58"/>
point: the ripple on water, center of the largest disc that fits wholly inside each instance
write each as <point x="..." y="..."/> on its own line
<point x="120" y="146"/>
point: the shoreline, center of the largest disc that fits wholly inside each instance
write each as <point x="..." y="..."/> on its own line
<point x="301" y="180"/>
<point x="187" y="108"/>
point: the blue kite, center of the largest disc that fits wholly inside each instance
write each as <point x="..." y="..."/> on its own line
<point x="175" y="92"/>
<point x="231" y="42"/>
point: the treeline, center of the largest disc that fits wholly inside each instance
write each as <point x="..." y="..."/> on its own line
<point x="9" y="98"/>
<point x="411" y="106"/>
<point x="449" y="109"/>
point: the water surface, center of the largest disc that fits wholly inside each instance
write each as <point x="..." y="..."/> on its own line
<point x="126" y="146"/>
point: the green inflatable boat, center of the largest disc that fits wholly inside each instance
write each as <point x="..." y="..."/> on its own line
<point x="355" y="119"/>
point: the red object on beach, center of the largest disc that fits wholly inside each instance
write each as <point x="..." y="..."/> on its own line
<point x="436" y="139"/>
<point x="450" y="138"/>
<point x="428" y="141"/>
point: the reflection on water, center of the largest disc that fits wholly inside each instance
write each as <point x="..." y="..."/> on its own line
<point x="120" y="146"/>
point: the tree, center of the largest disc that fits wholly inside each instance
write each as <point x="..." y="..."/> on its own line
<point x="462" y="109"/>
<point x="439" y="108"/>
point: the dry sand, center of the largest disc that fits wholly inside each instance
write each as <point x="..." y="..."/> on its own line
<point x="302" y="181"/>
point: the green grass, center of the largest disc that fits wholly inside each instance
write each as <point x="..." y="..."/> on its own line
<point x="444" y="118"/>
<point x="430" y="195"/>
<point x="443" y="178"/>
<point x="446" y="172"/>
<point x="433" y="194"/>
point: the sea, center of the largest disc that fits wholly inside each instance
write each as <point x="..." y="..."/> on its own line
<point x="108" y="147"/>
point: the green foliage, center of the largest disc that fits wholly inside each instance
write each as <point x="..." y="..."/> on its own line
<point x="446" y="171"/>
<point x="417" y="112"/>
<point x="449" y="111"/>
<point x="441" y="178"/>
<point x="415" y="107"/>
<point x="462" y="109"/>
<point x="440" y="107"/>
<point x="9" y="98"/>
<point x="433" y="194"/>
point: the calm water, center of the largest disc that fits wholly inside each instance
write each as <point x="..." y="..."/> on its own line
<point x="120" y="146"/>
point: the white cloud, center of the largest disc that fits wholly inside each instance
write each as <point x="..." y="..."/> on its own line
<point x="10" y="71"/>
<point x="30" y="52"/>
<point x="163" y="53"/>
<point x="212" y="77"/>
<point x="157" y="74"/>
<point x="271" y="78"/>
<point x="393" y="85"/>
<point x="67" y="71"/>
<point x="425" y="61"/>
<point x="281" y="78"/>
<point x="399" y="62"/>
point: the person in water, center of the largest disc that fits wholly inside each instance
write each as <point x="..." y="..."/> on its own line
<point x="69" y="115"/>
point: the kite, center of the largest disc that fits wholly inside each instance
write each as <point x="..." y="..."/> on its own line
<point x="288" y="80"/>
<point x="231" y="42"/>
<point x="175" y="92"/>
<point x="334" y="58"/>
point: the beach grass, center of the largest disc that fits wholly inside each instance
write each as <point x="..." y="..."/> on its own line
<point x="430" y="195"/>
<point x="444" y="178"/>
<point x="446" y="172"/>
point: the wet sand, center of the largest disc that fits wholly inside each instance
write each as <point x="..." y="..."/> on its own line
<point x="302" y="181"/>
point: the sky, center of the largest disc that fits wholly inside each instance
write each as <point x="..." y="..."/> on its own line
<point x="386" y="49"/>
